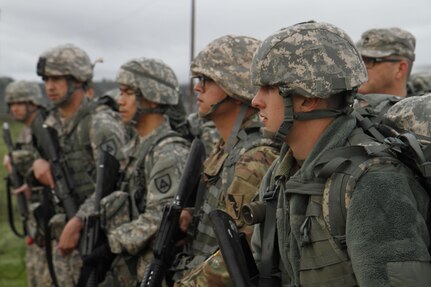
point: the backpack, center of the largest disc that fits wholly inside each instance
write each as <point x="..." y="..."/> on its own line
<point x="344" y="166"/>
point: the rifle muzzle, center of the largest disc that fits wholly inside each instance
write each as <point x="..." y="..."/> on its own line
<point x="254" y="212"/>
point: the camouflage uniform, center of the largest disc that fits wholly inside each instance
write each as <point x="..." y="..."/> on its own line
<point x="155" y="164"/>
<point x="91" y="129"/>
<point x="23" y="157"/>
<point x="377" y="43"/>
<point x="388" y="206"/>
<point x="419" y="84"/>
<point x="231" y="176"/>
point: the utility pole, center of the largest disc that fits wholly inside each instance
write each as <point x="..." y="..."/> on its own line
<point x="192" y="52"/>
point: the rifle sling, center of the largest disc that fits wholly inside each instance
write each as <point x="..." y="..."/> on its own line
<point x="10" y="211"/>
<point x="46" y="206"/>
<point x="269" y="235"/>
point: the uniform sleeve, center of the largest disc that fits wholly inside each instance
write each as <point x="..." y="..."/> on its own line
<point x="106" y="134"/>
<point x="386" y="232"/>
<point x="164" y="178"/>
<point x="248" y="174"/>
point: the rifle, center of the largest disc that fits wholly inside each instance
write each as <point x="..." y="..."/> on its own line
<point x="38" y="133"/>
<point x="164" y="245"/>
<point x="235" y="250"/>
<point x="48" y="146"/>
<point x="17" y="181"/>
<point x="93" y="238"/>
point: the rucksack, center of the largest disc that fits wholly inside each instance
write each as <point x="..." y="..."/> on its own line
<point x="344" y="166"/>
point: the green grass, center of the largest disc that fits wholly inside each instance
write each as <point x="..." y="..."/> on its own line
<point x="12" y="248"/>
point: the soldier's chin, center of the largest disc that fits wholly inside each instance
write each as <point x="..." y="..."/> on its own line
<point x="267" y="133"/>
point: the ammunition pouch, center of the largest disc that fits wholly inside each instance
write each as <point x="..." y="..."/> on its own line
<point x="114" y="210"/>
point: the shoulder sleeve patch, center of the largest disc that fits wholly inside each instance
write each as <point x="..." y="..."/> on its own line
<point x="110" y="147"/>
<point x="163" y="183"/>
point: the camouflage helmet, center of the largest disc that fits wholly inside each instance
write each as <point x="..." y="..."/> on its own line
<point x="411" y="114"/>
<point x="66" y="60"/>
<point x="311" y="59"/>
<point x="227" y="61"/>
<point x="23" y="91"/>
<point x="153" y="78"/>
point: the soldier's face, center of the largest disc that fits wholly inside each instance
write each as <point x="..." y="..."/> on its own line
<point x="209" y="94"/>
<point x="55" y="87"/>
<point x="127" y="103"/>
<point x="271" y="107"/>
<point x="381" y="78"/>
<point x="18" y="111"/>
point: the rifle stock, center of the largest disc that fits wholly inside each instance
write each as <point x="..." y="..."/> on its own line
<point x="235" y="250"/>
<point x="17" y="181"/>
<point x="169" y="227"/>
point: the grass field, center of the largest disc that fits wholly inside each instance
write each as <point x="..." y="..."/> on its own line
<point x="12" y="248"/>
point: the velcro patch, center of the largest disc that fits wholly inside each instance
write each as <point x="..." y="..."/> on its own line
<point x="110" y="147"/>
<point x="163" y="183"/>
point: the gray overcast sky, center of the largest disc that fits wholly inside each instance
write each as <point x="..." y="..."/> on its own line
<point x="118" y="31"/>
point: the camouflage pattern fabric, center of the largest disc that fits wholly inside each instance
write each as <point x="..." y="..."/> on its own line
<point x="23" y="91"/>
<point x="37" y="268"/>
<point x="66" y="60"/>
<point x="376" y="43"/>
<point x="212" y="272"/>
<point x="411" y="114"/>
<point x="205" y="130"/>
<point x="67" y="268"/>
<point x="156" y="81"/>
<point x="311" y="59"/>
<point x="226" y="60"/>
<point x="232" y="181"/>
<point x="419" y="84"/>
<point x="152" y="177"/>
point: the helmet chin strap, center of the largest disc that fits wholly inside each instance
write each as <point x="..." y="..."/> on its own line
<point x="140" y="111"/>
<point x="213" y="108"/>
<point x="70" y="91"/>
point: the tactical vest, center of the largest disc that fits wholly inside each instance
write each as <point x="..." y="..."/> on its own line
<point x="378" y="104"/>
<point x="219" y="173"/>
<point x="136" y="184"/>
<point x="77" y="152"/>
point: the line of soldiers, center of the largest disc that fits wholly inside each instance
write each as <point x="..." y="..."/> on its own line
<point x="300" y="84"/>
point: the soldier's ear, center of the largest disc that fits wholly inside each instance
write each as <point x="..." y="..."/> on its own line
<point x="402" y="69"/>
<point x="309" y="104"/>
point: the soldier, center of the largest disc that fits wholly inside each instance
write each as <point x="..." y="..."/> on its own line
<point x="388" y="55"/>
<point x="156" y="158"/>
<point x="308" y="74"/>
<point x="83" y="130"/>
<point x="23" y="99"/>
<point x="233" y="171"/>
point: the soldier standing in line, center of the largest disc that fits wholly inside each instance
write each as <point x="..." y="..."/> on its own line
<point x="233" y="171"/>
<point x="388" y="55"/>
<point x="308" y="74"/>
<point x="82" y="132"/>
<point x="23" y="99"/>
<point x="155" y="161"/>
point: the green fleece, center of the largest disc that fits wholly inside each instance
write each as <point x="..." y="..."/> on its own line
<point x="386" y="231"/>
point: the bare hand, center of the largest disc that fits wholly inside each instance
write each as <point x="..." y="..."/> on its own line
<point x="42" y="172"/>
<point x="70" y="235"/>
<point x="23" y="188"/>
<point x="186" y="218"/>
<point x="7" y="164"/>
